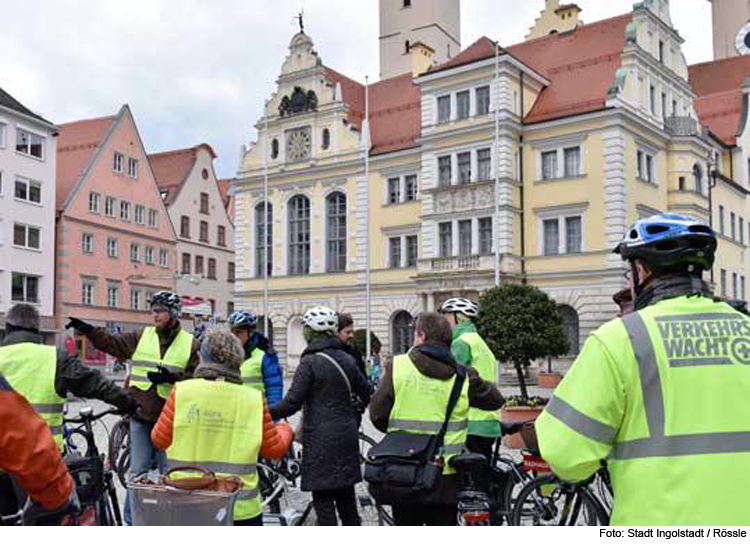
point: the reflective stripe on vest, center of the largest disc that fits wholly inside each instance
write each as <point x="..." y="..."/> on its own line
<point x="218" y="426"/>
<point x="147" y="359"/>
<point x="30" y="370"/>
<point x="483" y="360"/>
<point x="420" y="404"/>
<point x="658" y="444"/>
<point x="252" y="371"/>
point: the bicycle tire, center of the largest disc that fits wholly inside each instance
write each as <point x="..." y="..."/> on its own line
<point x="371" y="511"/>
<point x="540" y="505"/>
<point x="118" y="449"/>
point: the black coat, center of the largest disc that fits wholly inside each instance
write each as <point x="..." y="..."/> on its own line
<point x="330" y="455"/>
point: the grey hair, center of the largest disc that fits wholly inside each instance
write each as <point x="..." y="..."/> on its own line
<point x="25" y="316"/>
<point x="220" y="346"/>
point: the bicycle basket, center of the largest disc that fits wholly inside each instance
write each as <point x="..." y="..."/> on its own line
<point x="88" y="475"/>
<point x="532" y="462"/>
<point x="159" y="505"/>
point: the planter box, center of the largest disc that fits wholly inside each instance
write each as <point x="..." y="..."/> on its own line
<point x="519" y="414"/>
<point x="549" y="380"/>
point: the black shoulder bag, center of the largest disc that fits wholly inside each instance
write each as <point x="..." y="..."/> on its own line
<point x="406" y="467"/>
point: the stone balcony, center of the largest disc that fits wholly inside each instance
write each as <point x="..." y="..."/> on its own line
<point x="682" y="126"/>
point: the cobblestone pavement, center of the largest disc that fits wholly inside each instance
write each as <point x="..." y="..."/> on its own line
<point x="297" y="499"/>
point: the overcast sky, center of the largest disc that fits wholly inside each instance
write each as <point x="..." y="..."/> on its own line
<point x="199" y="70"/>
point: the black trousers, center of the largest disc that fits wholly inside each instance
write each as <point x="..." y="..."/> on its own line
<point x="481" y="445"/>
<point x="436" y="515"/>
<point x="326" y="503"/>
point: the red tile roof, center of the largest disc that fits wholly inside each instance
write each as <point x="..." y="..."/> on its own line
<point x="172" y="168"/>
<point x="76" y="144"/>
<point x="580" y="64"/>
<point x="482" y="49"/>
<point x="224" y="186"/>
<point x="395" y="110"/>
<point x="718" y="86"/>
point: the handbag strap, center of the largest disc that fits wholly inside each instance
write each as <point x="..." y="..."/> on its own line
<point x="458" y="385"/>
<point x="337" y="366"/>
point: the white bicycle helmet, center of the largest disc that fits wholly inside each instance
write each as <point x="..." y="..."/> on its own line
<point x="321" y="319"/>
<point x="460" y="306"/>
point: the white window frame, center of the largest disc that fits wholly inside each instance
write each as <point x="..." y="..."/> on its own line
<point x="95" y="202"/>
<point x="560" y="145"/>
<point x="118" y="162"/>
<point x="133" y="168"/>
<point x="647" y="153"/>
<point x="113" y="201"/>
<point x="29" y="183"/>
<point x="87" y="243"/>
<point x="135" y="252"/>
<point x="401" y="234"/>
<point x="28" y="154"/>
<point x="438" y="119"/>
<point x="163" y="257"/>
<point x="3" y="133"/>
<point x="113" y="248"/>
<point x="139" y="219"/>
<point x="88" y="292"/>
<point x="149" y="255"/>
<point x="113" y="300"/>
<point x="27" y="228"/>
<point x="153" y="218"/>
<point x="561" y="213"/>
<point x="135" y="300"/>
<point x="125" y="207"/>
<point x="26" y="277"/>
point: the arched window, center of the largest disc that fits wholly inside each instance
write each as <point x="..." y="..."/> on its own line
<point x="336" y="232"/>
<point x="326" y="139"/>
<point x="275" y="148"/>
<point x="299" y="235"/>
<point x="571" y="326"/>
<point x="403" y="333"/>
<point x="263" y="247"/>
<point x="295" y="343"/>
<point x="697" y="179"/>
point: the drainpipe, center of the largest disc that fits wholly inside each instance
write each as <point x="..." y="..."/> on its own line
<point x="711" y="186"/>
<point x="524" y="279"/>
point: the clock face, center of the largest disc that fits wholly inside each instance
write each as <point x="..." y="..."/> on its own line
<point x="298" y="144"/>
<point x="742" y="42"/>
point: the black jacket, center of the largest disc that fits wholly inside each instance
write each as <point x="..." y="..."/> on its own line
<point x="71" y="376"/>
<point x="330" y="458"/>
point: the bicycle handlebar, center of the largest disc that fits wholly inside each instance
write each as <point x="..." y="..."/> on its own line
<point x="87" y="414"/>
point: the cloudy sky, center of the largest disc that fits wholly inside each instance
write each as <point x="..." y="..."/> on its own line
<point x="199" y="70"/>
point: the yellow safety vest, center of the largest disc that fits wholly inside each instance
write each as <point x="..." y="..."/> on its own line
<point x="420" y="405"/>
<point x="482" y="423"/>
<point x="147" y="359"/>
<point x="218" y="426"/>
<point x="252" y="371"/>
<point x="30" y="369"/>
<point x="662" y="395"/>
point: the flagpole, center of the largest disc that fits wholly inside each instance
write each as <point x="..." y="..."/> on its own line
<point x="496" y="165"/>
<point x="368" y="283"/>
<point x="265" y="225"/>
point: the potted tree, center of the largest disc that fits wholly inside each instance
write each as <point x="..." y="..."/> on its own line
<point x="549" y="379"/>
<point x="520" y="324"/>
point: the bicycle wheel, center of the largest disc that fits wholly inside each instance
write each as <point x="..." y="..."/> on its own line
<point x="118" y="449"/>
<point x="371" y="512"/>
<point x="547" y="501"/>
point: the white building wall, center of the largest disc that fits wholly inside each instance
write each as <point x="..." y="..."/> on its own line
<point x="15" y="165"/>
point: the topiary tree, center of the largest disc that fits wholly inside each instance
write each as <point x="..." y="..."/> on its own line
<point x="360" y="338"/>
<point x="520" y="324"/>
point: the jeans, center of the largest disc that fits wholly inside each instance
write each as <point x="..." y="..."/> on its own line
<point x="142" y="454"/>
<point x="327" y="502"/>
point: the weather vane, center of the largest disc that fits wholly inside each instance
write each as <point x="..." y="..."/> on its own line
<point x="301" y="20"/>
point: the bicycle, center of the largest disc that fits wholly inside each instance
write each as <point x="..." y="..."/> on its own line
<point x="487" y="493"/>
<point x="549" y="501"/>
<point x="93" y="478"/>
<point x="118" y="449"/>
<point x="278" y="477"/>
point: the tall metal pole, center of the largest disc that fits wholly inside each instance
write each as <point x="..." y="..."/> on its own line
<point x="265" y="225"/>
<point x="368" y="283"/>
<point x="496" y="164"/>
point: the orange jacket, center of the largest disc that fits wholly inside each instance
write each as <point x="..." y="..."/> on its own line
<point x="28" y="451"/>
<point x="277" y="437"/>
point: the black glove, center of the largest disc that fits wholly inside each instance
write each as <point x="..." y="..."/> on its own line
<point x="164" y="377"/>
<point x="36" y="515"/>
<point x="132" y="407"/>
<point x="79" y="325"/>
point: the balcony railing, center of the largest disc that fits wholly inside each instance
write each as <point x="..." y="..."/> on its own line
<point x="681" y="126"/>
<point x="456" y="263"/>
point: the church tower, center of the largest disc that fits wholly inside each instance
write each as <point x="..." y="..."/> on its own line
<point x="731" y="28"/>
<point x="434" y="23"/>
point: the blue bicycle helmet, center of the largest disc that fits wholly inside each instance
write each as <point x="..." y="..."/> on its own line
<point x="239" y="320"/>
<point x="670" y="243"/>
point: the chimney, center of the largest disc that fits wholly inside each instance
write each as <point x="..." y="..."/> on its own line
<point x="421" y="58"/>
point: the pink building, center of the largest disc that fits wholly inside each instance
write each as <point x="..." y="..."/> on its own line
<point x="116" y="246"/>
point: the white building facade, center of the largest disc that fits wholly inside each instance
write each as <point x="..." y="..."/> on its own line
<point x="28" y="150"/>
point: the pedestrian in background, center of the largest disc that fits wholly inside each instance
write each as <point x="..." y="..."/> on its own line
<point x="324" y="385"/>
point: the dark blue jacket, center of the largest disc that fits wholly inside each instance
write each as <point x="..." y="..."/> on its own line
<point x="273" y="378"/>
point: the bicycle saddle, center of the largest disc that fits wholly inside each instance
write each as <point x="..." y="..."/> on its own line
<point x="468" y="462"/>
<point x="511" y="428"/>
